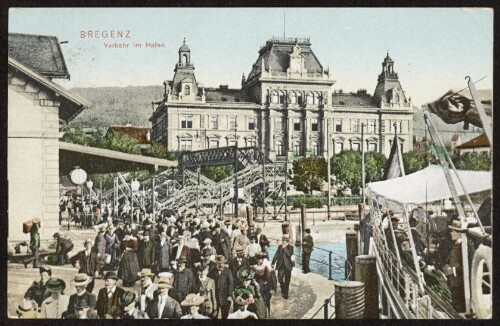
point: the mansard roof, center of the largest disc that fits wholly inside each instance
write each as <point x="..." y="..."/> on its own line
<point x="40" y="53"/>
<point x="353" y="100"/>
<point x="276" y="54"/>
<point x="226" y="95"/>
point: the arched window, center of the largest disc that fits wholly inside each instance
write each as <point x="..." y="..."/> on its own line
<point x="296" y="148"/>
<point x="293" y="98"/>
<point x="184" y="59"/>
<point x="275" y="98"/>
<point x="187" y="90"/>
<point x="396" y="98"/>
<point x="316" y="98"/>
<point x="280" y="149"/>
<point x="314" y="147"/>
<point x="310" y="98"/>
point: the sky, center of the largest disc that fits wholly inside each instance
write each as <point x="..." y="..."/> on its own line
<point x="433" y="49"/>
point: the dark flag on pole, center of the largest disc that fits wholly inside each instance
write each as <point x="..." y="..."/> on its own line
<point x="394" y="167"/>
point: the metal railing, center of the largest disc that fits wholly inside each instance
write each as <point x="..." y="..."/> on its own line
<point x="324" y="307"/>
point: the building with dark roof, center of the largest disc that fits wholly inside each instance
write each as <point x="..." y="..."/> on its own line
<point x="35" y="107"/>
<point x="142" y="135"/>
<point x="286" y="106"/>
<point x="479" y="144"/>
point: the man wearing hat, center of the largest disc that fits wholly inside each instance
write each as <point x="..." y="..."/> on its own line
<point x="162" y="254"/>
<point x="57" y="303"/>
<point x="63" y="247"/>
<point x="147" y="290"/>
<point x="283" y="262"/>
<point x="238" y="262"/>
<point x="34" y="243"/>
<point x="204" y="232"/>
<point x="223" y="240"/>
<point x="205" y="286"/>
<point x="208" y="245"/>
<point x="88" y="263"/>
<point x="262" y="239"/>
<point x="107" y="299"/>
<point x="252" y="249"/>
<point x="164" y="306"/>
<point x="82" y="310"/>
<point x="224" y="286"/>
<point x="38" y="290"/>
<point x="183" y="277"/>
<point x="100" y="245"/>
<point x="146" y="251"/>
<point x="129" y="310"/>
<point x="307" y="248"/>
<point x="240" y="238"/>
<point x="193" y="301"/>
<point x="80" y="282"/>
<point x="111" y="244"/>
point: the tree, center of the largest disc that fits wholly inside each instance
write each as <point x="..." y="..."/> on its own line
<point x="472" y="161"/>
<point x="309" y="173"/>
<point x="217" y="173"/>
<point x="374" y="165"/>
<point x="77" y="136"/>
<point x="122" y="143"/>
<point x="346" y="166"/>
<point x="414" y="161"/>
<point x="156" y="150"/>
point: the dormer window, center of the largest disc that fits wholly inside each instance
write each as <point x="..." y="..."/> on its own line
<point x="396" y="98"/>
<point x="187" y="90"/>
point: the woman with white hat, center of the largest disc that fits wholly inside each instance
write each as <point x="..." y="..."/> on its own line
<point x="193" y="301"/>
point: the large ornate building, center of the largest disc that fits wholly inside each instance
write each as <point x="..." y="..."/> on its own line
<point x="286" y="106"/>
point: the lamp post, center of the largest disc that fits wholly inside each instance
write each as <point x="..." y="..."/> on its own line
<point x="153" y="181"/>
<point x="235" y="172"/>
<point x="77" y="177"/>
<point x="328" y="166"/>
<point x="89" y="184"/>
<point x="134" y="187"/>
<point x="362" y="167"/>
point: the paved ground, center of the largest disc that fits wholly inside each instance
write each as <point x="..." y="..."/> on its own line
<point x="307" y="291"/>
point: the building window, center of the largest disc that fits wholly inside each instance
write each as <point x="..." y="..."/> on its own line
<point x="299" y="99"/>
<point x="314" y="147"/>
<point x="316" y="98"/>
<point x="186" y="121"/>
<point x="338" y="125"/>
<point x="214" y="122"/>
<point x="279" y="123"/>
<point x="275" y="98"/>
<point x="280" y="149"/>
<point x="398" y="126"/>
<point x="296" y="124"/>
<point x="310" y="99"/>
<point x="251" y="123"/>
<point x="372" y="147"/>
<point x="251" y="142"/>
<point x="396" y="98"/>
<point x="187" y="90"/>
<point x="355" y="146"/>
<point x="314" y="124"/>
<point x="355" y="125"/>
<point x="214" y="143"/>
<point x="293" y="98"/>
<point x="339" y="147"/>
<point x="202" y="121"/>
<point x="186" y="145"/>
<point x="282" y="98"/>
<point x="372" y="126"/>
<point x="296" y="148"/>
<point x="231" y="142"/>
<point x="232" y="123"/>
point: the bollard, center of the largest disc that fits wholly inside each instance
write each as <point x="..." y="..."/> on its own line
<point x="330" y="265"/>
<point x="351" y="239"/>
<point x="303" y="219"/>
<point x="366" y="272"/>
<point x="249" y="216"/>
<point x="349" y="300"/>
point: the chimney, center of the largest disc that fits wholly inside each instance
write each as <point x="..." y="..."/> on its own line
<point x="224" y="87"/>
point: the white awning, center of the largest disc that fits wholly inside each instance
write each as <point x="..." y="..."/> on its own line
<point x="430" y="185"/>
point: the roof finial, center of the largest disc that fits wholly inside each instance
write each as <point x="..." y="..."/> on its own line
<point x="184" y="42"/>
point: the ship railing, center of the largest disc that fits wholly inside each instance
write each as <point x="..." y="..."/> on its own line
<point x="325" y="308"/>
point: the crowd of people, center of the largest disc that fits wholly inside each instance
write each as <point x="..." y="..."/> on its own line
<point x="187" y="266"/>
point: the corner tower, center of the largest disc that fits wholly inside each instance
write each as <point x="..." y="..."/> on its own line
<point x="389" y="92"/>
<point x="183" y="87"/>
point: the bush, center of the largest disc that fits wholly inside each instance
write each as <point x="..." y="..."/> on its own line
<point x="310" y="202"/>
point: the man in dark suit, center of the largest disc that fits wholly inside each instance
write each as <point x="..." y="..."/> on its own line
<point x="307" y="248"/>
<point x="284" y="262"/>
<point x="80" y="282"/>
<point x="163" y="306"/>
<point x="162" y="254"/>
<point x="88" y="263"/>
<point x="238" y="262"/>
<point x="224" y="286"/>
<point x="107" y="305"/>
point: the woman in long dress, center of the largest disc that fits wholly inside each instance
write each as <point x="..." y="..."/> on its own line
<point x="263" y="278"/>
<point x="246" y="277"/>
<point x="129" y="263"/>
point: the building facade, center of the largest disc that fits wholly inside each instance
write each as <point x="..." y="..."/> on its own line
<point x="286" y="107"/>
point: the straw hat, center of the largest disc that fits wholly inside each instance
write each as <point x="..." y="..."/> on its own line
<point x="239" y="249"/>
<point x="193" y="299"/>
<point x="207" y="241"/>
<point x="81" y="279"/>
<point x="221" y="259"/>
<point x="146" y="272"/>
<point x="164" y="284"/>
<point x="25" y="306"/>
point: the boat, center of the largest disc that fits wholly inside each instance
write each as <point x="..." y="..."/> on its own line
<point x="433" y="245"/>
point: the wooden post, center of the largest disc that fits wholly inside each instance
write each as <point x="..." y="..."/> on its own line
<point x="303" y="222"/>
<point x="249" y="216"/>
<point x="351" y="239"/>
<point x="366" y="272"/>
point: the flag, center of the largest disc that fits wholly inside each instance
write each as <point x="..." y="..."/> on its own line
<point x="394" y="167"/>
